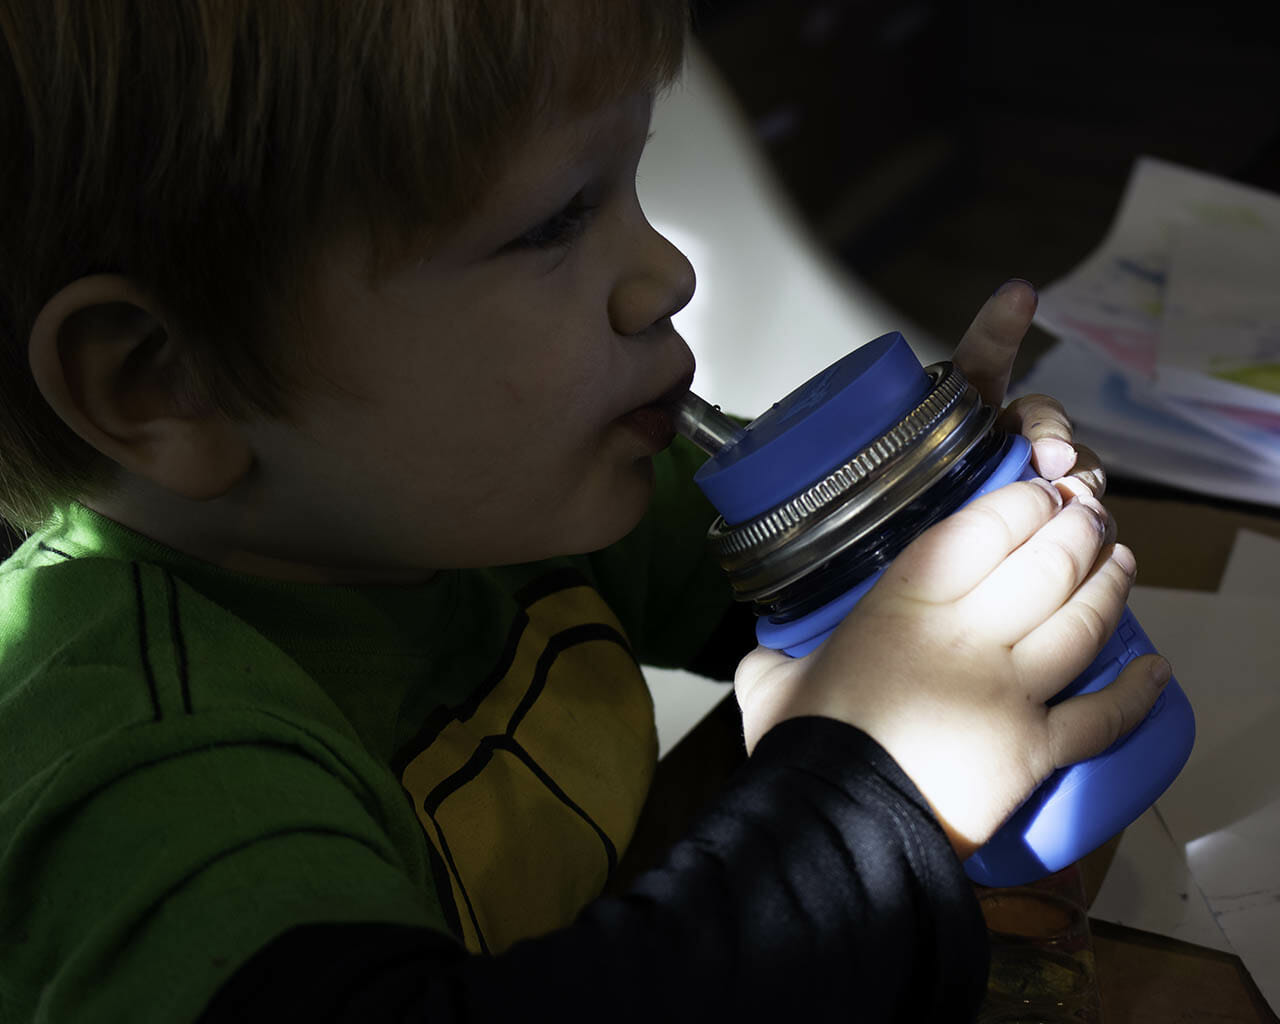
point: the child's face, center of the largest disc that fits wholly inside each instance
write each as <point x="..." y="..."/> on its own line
<point x="495" y="378"/>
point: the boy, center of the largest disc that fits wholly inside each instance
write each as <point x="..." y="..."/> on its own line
<point x="339" y="372"/>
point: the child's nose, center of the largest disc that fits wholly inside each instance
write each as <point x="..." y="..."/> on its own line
<point x="660" y="283"/>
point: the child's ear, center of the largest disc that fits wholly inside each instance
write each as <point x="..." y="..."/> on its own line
<point x="107" y="363"/>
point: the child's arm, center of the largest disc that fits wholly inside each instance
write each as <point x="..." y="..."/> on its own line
<point x="817" y="885"/>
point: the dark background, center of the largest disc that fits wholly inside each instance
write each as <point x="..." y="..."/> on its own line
<point x="942" y="146"/>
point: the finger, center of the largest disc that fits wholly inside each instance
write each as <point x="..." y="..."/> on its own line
<point x="1066" y="643"/>
<point x="1044" y="422"/>
<point x="952" y="557"/>
<point x="985" y="353"/>
<point x="1087" y="477"/>
<point x="1037" y="579"/>
<point x="1084" y="726"/>
<point x="754" y="672"/>
<point x="761" y="687"/>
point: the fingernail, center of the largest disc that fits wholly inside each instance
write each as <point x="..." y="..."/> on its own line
<point x="1015" y="281"/>
<point x="1161" y="671"/>
<point x="1123" y="557"/>
<point x="1095" y="509"/>
<point x="1054" y="456"/>
<point x="1075" y="485"/>
<point x="1040" y="481"/>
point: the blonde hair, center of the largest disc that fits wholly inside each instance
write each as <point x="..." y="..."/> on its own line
<point x="203" y="148"/>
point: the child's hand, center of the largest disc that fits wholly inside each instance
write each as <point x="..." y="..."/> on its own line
<point x="985" y="356"/>
<point x="948" y="660"/>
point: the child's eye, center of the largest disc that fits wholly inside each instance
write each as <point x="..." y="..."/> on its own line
<point x="560" y="229"/>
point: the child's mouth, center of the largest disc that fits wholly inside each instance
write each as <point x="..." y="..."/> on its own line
<point x="656" y="424"/>
<point x="656" y="421"/>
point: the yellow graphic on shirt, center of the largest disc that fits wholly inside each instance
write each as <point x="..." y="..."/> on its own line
<point x="531" y="799"/>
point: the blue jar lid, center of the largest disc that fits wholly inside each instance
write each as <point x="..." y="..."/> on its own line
<point x="820" y="425"/>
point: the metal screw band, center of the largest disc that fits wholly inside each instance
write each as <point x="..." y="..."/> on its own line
<point x="948" y="387"/>
<point x="768" y="554"/>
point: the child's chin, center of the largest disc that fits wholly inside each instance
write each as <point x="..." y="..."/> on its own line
<point x="625" y="506"/>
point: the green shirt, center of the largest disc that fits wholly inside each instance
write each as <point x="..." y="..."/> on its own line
<point x="196" y="760"/>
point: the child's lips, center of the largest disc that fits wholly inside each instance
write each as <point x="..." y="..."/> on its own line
<point x="656" y="424"/>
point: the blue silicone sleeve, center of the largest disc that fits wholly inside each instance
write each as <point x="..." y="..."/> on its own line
<point x="1079" y="807"/>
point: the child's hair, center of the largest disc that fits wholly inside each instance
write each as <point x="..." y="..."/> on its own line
<point x="203" y="148"/>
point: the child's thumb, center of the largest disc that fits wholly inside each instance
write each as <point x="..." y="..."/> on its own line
<point x="1084" y="726"/>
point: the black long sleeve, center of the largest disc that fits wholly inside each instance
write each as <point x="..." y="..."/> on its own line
<point x="818" y="885"/>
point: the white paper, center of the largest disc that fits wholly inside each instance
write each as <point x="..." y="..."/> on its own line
<point x="1212" y="891"/>
<point x="1254" y="567"/>
<point x="1184" y="279"/>
<point x="1225" y="653"/>
<point x="1220" y="334"/>
<point x="1127" y="423"/>
<point x="1222" y="813"/>
<point x="1149" y="887"/>
<point x="1238" y="870"/>
<point x="680" y="701"/>
<point x="1115" y="299"/>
